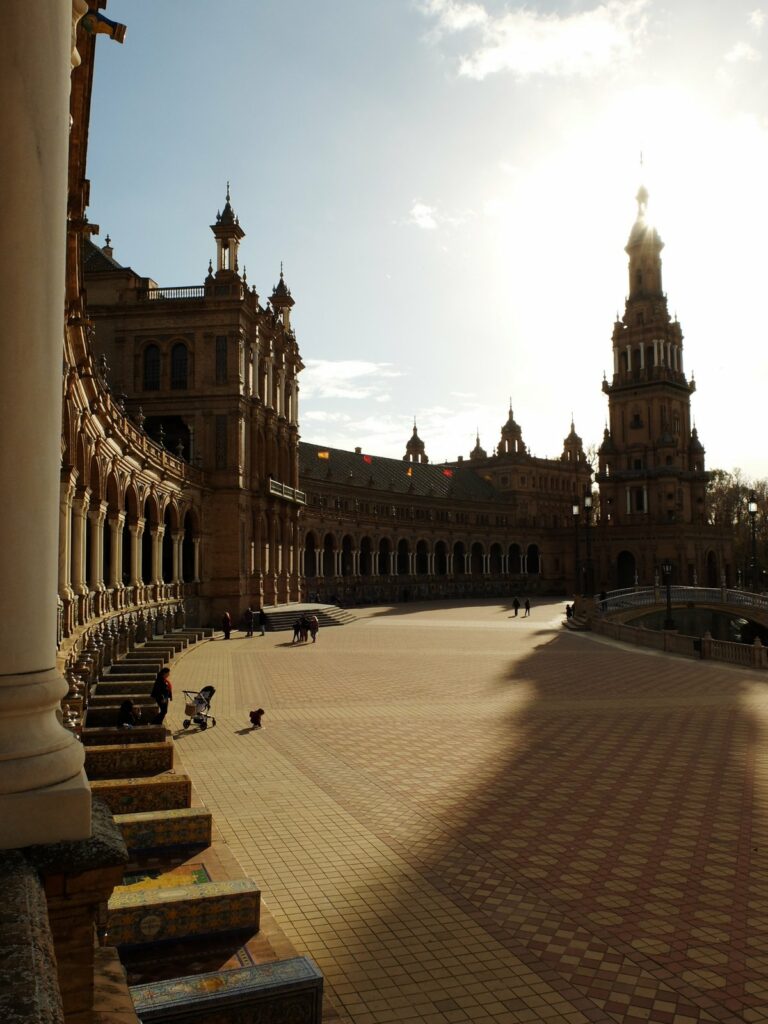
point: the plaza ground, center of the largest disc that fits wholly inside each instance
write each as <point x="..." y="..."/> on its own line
<point x="465" y="816"/>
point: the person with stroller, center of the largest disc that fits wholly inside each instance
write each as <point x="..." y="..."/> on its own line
<point x="162" y="693"/>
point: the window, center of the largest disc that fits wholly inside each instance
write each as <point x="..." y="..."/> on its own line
<point x="221" y="359"/>
<point x="151" y="368"/>
<point x="221" y="442"/>
<point x="179" y="367"/>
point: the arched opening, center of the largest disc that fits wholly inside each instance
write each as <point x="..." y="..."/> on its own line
<point x="532" y="561"/>
<point x="496" y="559"/>
<point x="459" y="567"/>
<point x="626" y="567"/>
<point x="384" y="559"/>
<point x="476" y="559"/>
<point x="150" y="521"/>
<point x="347" y="562"/>
<point x="131" y="519"/>
<point x="188" y="549"/>
<point x="329" y="548"/>
<point x="422" y="558"/>
<point x="712" y="574"/>
<point x="402" y="557"/>
<point x="166" y="566"/>
<point x="310" y="555"/>
<point x="366" y="557"/>
<point x="515" y="559"/>
<point x="441" y="558"/>
<point x="151" y="374"/>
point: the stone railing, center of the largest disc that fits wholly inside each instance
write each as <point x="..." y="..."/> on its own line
<point x="284" y="491"/>
<point x="640" y="597"/>
<point x="193" y="291"/>
<point x="751" y="656"/>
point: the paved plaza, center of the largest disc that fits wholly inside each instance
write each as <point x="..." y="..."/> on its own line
<point x="463" y="816"/>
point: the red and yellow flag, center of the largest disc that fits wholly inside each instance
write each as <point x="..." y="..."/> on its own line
<point x="323" y="455"/>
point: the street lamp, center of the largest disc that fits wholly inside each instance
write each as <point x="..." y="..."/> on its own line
<point x="576" y="511"/>
<point x="588" y="517"/>
<point x="752" y="509"/>
<point x="666" y="569"/>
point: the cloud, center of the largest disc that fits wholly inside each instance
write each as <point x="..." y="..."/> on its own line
<point x="742" y="52"/>
<point x="526" y="42"/>
<point x="322" y="416"/>
<point x="423" y="216"/>
<point x="344" y="378"/>
<point x="757" y="19"/>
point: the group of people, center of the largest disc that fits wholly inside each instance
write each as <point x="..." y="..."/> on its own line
<point x="526" y="606"/>
<point x="306" y="626"/>
<point x="252" y="618"/>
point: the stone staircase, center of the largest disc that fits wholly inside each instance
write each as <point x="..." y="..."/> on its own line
<point x="282" y="617"/>
<point x="184" y="906"/>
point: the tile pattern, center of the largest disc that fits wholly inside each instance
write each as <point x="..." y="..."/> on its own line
<point x="131" y="796"/>
<point x="463" y="818"/>
<point x="150" y="830"/>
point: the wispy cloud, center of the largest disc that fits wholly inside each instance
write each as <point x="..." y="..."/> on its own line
<point x="757" y="19"/>
<point x="742" y="52"/>
<point x="344" y="378"/>
<point x="525" y="42"/>
<point x="423" y="216"/>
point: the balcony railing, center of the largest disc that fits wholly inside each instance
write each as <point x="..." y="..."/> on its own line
<point x="284" y="491"/>
<point x="193" y="291"/>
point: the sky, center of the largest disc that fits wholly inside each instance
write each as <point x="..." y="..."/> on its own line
<point x="450" y="186"/>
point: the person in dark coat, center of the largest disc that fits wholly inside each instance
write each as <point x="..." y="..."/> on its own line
<point x="527" y="607"/>
<point x="128" y="715"/>
<point x="516" y="606"/>
<point x="296" y="631"/>
<point x="262" y="620"/>
<point x="226" y="624"/>
<point x="250" y="621"/>
<point x="162" y="693"/>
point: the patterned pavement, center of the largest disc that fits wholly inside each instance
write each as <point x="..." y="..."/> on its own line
<point x="463" y="816"/>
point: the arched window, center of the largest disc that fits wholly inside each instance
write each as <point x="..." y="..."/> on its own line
<point x="151" y="368"/>
<point x="179" y="366"/>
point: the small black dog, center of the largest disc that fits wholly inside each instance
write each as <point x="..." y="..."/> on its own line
<point x="255" y="717"/>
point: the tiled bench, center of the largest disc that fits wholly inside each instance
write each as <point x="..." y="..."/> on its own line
<point x="106" y="735"/>
<point x="114" y="685"/>
<point x="120" y="761"/>
<point x="284" y="990"/>
<point x="150" y="830"/>
<point x="131" y="796"/>
<point x="102" y="713"/>
<point x="154" y="915"/>
<point x="99" y="701"/>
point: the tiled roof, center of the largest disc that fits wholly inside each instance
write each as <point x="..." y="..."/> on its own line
<point x="376" y="473"/>
<point x="96" y="261"/>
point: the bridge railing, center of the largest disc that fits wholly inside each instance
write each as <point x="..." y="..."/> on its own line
<point x="640" y="597"/>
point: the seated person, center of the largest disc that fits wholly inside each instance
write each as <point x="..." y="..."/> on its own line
<point x="128" y="715"/>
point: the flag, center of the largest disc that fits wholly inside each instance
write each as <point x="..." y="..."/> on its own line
<point x="409" y="471"/>
<point x="447" y="472"/>
<point x="368" y="459"/>
<point x="323" y="455"/>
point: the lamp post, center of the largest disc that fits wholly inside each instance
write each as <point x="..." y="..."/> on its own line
<point x="752" y="509"/>
<point x="587" y="521"/>
<point x="666" y="569"/>
<point x="576" y="511"/>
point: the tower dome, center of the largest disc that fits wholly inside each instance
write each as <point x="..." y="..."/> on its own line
<point x="414" y="449"/>
<point x="511" y="442"/>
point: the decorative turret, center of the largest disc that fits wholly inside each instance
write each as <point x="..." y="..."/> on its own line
<point x="281" y="300"/>
<point x="227" y="232"/>
<point x="573" y="449"/>
<point x="644" y="249"/>
<point x="511" y="442"/>
<point x="478" y="452"/>
<point x="414" y="449"/>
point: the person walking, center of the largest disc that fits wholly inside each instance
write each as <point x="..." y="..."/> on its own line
<point x="296" y="631"/>
<point x="516" y="606"/>
<point x="262" y="620"/>
<point x="527" y="607"/>
<point x="250" y="619"/>
<point x="162" y="693"/>
<point x="226" y="624"/>
<point x="314" y="626"/>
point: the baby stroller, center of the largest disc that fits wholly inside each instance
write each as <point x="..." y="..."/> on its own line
<point x="197" y="707"/>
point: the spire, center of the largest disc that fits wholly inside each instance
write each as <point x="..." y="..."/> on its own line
<point x="478" y="452"/>
<point x="228" y="233"/>
<point x="644" y="250"/>
<point x="414" y="449"/>
<point x="281" y="299"/>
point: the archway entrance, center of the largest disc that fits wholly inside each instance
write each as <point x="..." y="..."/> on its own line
<point x="626" y="567"/>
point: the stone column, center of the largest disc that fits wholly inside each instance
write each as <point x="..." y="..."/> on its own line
<point x="44" y="795"/>
<point x="79" y="522"/>
<point x="196" y="572"/>
<point x="137" y="531"/>
<point x="96" y="517"/>
<point x="116" y="525"/>
<point x="157" y="533"/>
<point x="177" y="537"/>
<point x="65" y="539"/>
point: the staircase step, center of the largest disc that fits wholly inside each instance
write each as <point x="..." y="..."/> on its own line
<point x="169" y="642"/>
<point x="128" y="760"/>
<point x="282" y="990"/>
<point x="156" y="793"/>
<point x="153" y="915"/>
<point x="106" y="734"/>
<point x="102" y="710"/>
<point x="149" y="830"/>
<point x="283" y="616"/>
<point x="128" y="686"/>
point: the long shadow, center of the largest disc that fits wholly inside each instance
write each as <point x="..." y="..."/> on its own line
<point x="605" y="835"/>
